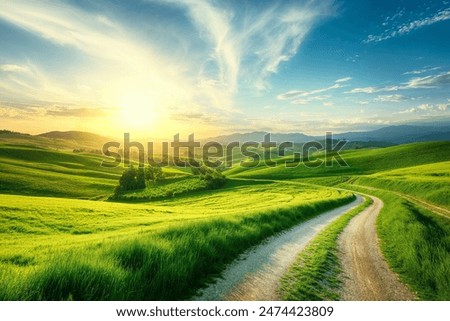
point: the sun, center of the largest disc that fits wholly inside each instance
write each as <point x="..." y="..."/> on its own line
<point x="138" y="110"/>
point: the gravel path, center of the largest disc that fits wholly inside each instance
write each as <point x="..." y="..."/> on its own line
<point x="366" y="275"/>
<point x="255" y="274"/>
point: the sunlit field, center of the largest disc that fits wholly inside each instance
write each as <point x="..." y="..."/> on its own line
<point x="74" y="249"/>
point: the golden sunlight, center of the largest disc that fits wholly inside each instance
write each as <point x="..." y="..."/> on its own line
<point x="138" y="110"/>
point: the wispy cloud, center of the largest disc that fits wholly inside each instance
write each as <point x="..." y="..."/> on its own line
<point x="421" y="71"/>
<point x="95" y="36"/>
<point x="13" y="68"/>
<point x="343" y="79"/>
<point x="76" y="112"/>
<point x="233" y="46"/>
<point x="405" y="28"/>
<point x="250" y="43"/>
<point x="306" y="100"/>
<point x="430" y="81"/>
<point x="293" y="94"/>
<point x="442" y="79"/>
<point x="391" y="98"/>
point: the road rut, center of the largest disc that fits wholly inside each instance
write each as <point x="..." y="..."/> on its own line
<point x="366" y="275"/>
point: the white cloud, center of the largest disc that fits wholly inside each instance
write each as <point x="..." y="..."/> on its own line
<point x="123" y="64"/>
<point x="304" y="101"/>
<point x="343" y="79"/>
<point x="371" y="90"/>
<point x="421" y="71"/>
<point x="391" y="98"/>
<point x="13" y="68"/>
<point x="328" y="104"/>
<point x="425" y="107"/>
<point x="252" y="43"/>
<point x="430" y="81"/>
<point x="428" y="108"/>
<point x="301" y="93"/>
<point x="405" y="28"/>
<point x="438" y="80"/>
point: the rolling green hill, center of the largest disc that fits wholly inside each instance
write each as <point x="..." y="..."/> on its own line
<point x="26" y="170"/>
<point x="43" y="172"/>
<point x="361" y="162"/>
<point x="55" y="140"/>
<point x="56" y="247"/>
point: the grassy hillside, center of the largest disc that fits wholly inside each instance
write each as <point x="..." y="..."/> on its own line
<point x="61" y="248"/>
<point x="55" y="140"/>
<point x="430" y="182"/>
<point x="35" y="171"/>
<point x="26" y="170"/>
<point x="361" y="162"/>
<point x="75" y="249"/>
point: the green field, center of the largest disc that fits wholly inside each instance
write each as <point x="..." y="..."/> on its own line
<point x="60" y="239"/>
<point x="93" y="250"/>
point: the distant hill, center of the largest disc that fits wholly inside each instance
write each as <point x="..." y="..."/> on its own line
<point x="382" y="137"/>
<point x="400" y="134"/>
<point x="70" y="140"/>
<point x="360" y="161"/>
<point x="74" y="135"/>
<point x="259" y="137"/>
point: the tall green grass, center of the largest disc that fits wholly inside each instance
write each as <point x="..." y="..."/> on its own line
<point x="169" y="264"/>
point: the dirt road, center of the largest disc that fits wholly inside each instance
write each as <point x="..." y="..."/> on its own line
<point x="255" y="275"/>
<point x="366" y="275"/>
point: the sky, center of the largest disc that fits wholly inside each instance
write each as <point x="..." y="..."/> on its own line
<point x="161" y="67"/>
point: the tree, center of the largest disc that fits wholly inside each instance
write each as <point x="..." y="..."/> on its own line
<point x="127" y="181"/>
<point x="140" y="178"/>
<point x="153" y="173"/>
<point x="212" y="177"/>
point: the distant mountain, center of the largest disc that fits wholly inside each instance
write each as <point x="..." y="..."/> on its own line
<point x="385" y="136"/>
<point x="400" y="134"/>
<point x="259" y="137"/>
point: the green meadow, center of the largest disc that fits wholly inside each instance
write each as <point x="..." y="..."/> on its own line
<point x="62" y="239"/>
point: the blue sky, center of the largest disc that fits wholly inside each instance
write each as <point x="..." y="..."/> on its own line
<point x="158" y="67"/>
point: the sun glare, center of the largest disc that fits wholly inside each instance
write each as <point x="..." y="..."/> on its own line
<point x="138" y="110"/>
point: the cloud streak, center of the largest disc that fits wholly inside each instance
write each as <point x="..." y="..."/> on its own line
<point x="421" y="71"/>
<point x="439" y="80"/>
<point x="300" y="93"/>
<point x="251" y="43"/>
<point x="343" y="79"/>
<point x="13" y="68"/>
<point x="408" y="27"/>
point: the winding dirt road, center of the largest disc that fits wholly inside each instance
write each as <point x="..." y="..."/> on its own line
<point x="366" y="275"/>
<point x="255" y="275"/>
